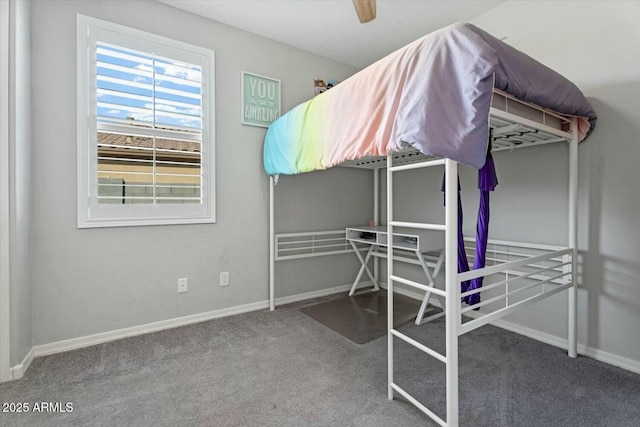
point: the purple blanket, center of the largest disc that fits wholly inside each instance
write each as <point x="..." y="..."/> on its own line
<point x="433" y="94"/>
<point x="459" y="67"/>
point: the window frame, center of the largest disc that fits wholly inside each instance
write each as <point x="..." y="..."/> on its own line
<point x="92" y="214"/>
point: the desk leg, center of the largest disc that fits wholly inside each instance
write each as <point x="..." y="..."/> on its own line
<point x="427" y="295"/>
<point x="436" y="271"/>
<point x="438" y="266"/>
<point x="363" y="268"/>
<point x="423" y="307"/>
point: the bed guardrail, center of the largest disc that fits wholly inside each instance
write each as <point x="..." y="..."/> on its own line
<point x="312" y="244"/>
<point x="517" y="274"/>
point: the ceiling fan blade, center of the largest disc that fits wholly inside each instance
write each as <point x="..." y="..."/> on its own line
<point x="366" y="10"/>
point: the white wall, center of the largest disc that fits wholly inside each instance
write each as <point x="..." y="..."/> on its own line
<point x="596" y="44"/>
<point x="96" y="280"/>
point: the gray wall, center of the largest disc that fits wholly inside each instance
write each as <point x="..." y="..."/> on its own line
<point x="95" y="280"/>
<point x="20" y="198"/>
<point x="519" y="210"/>
<point x="596" y="45"/>
<point x="323" y="200"/>
<point x="90" y="281"/>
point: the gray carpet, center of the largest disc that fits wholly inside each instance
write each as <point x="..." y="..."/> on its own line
<point x="362" y="317"/>
<point x="286" y="369"/>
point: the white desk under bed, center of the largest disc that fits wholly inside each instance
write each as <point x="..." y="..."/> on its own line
<point x="423" y="244"/>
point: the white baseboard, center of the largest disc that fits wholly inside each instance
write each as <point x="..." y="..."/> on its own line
<point x="18" y="371"/>
<point x="314" y="294"/>
<point x="81" y="342"/>
<point x="89" y="340"/>
<point x="594" y="353"/>
<point x="86" y="341"/>
<point x="612" y="359"/>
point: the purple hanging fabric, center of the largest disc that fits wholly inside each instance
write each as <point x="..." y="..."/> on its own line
<point x="463" y="263"/>
<point x="487" y="181"/>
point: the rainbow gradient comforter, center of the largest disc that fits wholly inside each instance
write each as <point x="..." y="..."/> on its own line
<point x="433" y="94"/>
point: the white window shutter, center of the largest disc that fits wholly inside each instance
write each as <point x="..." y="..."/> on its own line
<point x="148" y="149"/>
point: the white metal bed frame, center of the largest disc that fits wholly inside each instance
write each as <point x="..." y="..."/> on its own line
<point x="544" y="270"/>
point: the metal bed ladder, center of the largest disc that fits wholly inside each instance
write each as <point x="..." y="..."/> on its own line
<point x="451" y="294"/>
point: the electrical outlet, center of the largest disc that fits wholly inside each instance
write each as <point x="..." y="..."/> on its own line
<point x="183" y="285"/>
<point x="224" y="278"/>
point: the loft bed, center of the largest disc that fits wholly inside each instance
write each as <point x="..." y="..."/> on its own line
<point x="441" y="101"/>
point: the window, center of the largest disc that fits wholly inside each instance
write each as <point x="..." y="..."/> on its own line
<point x="145" y="128"/>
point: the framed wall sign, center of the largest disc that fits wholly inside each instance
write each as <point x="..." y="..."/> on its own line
<point x="260" y="99"/>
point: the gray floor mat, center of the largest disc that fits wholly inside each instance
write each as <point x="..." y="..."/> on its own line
<point x="362" y="318"/>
